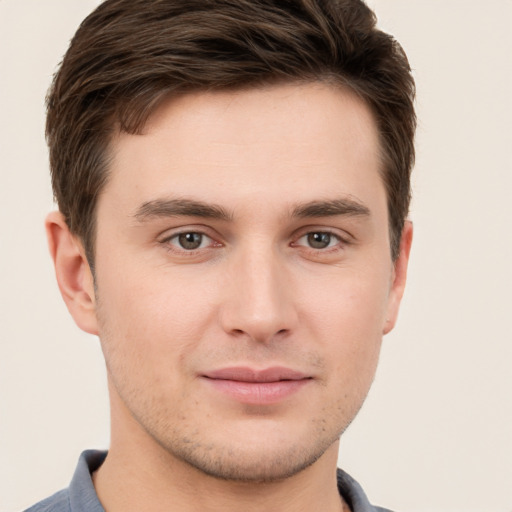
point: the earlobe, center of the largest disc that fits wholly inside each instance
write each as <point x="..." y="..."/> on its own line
<point x="73" y="273"/>
<point x="399" y="278"/>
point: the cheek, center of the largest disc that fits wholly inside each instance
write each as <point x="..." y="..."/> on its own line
<point x="347" y="316"/>
<point x="351" y="304"/>
<point x="150" y="321"/>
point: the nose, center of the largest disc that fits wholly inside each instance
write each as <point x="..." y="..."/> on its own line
<point x="258" y="297"/>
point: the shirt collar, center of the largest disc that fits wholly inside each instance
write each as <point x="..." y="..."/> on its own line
<point x="82" y="495"/>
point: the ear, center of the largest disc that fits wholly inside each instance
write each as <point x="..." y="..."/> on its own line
<point x="73" y="273"/>
<point x="399" y="277"/>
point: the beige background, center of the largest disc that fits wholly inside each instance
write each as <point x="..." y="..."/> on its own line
<point x="435" y="433"/>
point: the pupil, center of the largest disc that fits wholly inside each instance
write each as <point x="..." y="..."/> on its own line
<point x="190" y="240"/>
<point x="319" y="240"/>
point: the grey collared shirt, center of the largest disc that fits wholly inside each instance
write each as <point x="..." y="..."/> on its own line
<point x="81" y="496"/>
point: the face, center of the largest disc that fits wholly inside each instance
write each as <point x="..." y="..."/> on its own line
<point x="244" y="278"/>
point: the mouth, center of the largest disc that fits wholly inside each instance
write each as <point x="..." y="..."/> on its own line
<point x="255" y="386"/>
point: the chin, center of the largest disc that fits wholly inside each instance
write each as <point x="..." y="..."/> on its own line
<point x="263" y="462"/>
<point x="253" y="469"/>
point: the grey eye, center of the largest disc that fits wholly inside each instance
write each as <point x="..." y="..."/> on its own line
<point x="190" y="241"/>
<point x="319" y="240"/>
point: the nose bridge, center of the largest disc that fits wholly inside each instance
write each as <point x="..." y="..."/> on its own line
<point x="258" y="302"/>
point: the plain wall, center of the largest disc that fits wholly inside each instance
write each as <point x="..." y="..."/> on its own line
<point x="435" y="432"/>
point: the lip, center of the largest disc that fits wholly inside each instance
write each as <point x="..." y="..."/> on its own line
<point x="257" y="386"/>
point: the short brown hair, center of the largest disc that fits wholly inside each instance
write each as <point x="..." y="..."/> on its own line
<point x="130" y="54"/>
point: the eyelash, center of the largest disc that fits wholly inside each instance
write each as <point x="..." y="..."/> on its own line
<point x="341" y="242"/>
<point x="167" y="242"/>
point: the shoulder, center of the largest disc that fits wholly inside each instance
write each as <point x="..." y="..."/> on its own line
<point x="59" y="502"/>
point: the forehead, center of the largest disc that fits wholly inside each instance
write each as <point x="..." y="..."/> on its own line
<point x="245" y="143"/>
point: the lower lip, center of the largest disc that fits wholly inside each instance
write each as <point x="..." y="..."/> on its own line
<point x="258" y="392"/>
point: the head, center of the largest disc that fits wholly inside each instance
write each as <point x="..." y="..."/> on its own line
<point x="129" y="56"/>
<point x="233" y="179"/>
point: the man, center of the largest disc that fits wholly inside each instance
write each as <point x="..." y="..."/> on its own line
<point x="233" y="184"/>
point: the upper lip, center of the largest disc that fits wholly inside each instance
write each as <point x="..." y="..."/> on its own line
<point x="246" y="374"/>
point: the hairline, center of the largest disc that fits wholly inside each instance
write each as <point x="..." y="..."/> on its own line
<point x="339" y="82"/>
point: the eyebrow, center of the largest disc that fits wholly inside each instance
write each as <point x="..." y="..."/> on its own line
<point x="180" y="208"/>
<point x="192" y="208"/>
<point x="331" y="208"/>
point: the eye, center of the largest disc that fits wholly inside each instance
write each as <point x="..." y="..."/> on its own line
<point x="190" y="241"/>
<point x="319" y="240"/>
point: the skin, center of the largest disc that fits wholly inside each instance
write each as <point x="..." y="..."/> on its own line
<point x="282" y="190"/>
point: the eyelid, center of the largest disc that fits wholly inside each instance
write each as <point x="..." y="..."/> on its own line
<point x="337" y="238"/>
<point x="329" y="254"/>
<point x="342" y="235"/>
<point x="205" y="241"/>
<point x="169" y="234"/>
